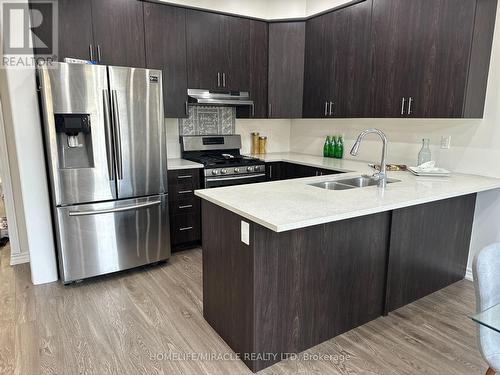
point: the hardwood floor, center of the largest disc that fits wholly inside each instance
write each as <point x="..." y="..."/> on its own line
<point x="129" y="322"/>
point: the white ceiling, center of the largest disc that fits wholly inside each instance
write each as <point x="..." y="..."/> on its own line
<point x="268" y="9"/>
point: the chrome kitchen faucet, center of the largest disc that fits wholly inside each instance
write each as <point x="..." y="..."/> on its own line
<point x="382" y="175"/>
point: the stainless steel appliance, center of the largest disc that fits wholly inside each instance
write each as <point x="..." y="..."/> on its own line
<point x="238" y="99"/>
<point x="106" y="152"/>
<point x="223" y="163"/>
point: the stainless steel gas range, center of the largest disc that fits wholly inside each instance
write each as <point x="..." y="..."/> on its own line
<point x="224" y="165"/>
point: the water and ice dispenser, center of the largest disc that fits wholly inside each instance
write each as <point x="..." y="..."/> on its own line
<point x="74" y="141"/>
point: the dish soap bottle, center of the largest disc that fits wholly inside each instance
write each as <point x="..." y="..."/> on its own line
<point x="339" y="148"/>
<point x="326" y="147"/>
<point x="425" y="153"/>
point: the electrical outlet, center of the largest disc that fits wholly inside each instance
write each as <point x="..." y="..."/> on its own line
<point x="245" y="232"/>
<point x="446" y="142"/>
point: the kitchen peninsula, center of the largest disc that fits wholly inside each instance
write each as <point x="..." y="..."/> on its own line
<point x="288" y="265"/>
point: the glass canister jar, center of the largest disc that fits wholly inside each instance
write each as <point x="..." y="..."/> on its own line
<point x="262" y="145"/>
<point x="255" y="143"/>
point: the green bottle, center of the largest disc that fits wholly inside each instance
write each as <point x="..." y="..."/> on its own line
<point x="326" y="147"/>
<point x="339" y="149"/>
<point x="331" y="148"/>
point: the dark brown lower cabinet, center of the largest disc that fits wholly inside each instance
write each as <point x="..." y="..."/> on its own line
<point x="429" y="248"/>
<point x="280" y="170"/>
<point x="289" y="291"/>
<point x="184" y="208"/>
<point x="286" y="292"/>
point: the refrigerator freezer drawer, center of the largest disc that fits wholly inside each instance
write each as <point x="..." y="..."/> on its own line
<point x="96" y="239"/>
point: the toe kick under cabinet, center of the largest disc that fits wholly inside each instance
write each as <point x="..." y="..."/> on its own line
<point x="185" y="216"/>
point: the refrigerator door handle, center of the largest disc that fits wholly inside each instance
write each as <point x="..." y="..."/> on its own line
<point x="112" y="210"/>
<point x="117" y="134"/>
<point x="109" y="135"/>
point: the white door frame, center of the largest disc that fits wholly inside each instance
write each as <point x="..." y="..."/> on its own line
<point x="10" y="209"/>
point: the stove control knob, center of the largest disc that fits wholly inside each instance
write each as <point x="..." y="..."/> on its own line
<point x="250" y="169"/>
<point x="223" y="171"/>
<point x="236" y="170"/>
<point x="215" y="172"/>
<point x="257" y="168"/>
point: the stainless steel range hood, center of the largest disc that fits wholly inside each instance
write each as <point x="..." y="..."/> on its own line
<point x="220" y="98"/>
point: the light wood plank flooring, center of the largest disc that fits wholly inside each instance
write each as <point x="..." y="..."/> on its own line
<point x="126" y="323"/>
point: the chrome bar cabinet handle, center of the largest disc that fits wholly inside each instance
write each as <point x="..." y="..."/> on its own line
<point x="326" y="109"/>
<point x="410" y="103"/>
<point x="117" y="133"/>
<point x="108" y="134"/>
<point x="113" y="210"/>
<point x="403" y="101"/>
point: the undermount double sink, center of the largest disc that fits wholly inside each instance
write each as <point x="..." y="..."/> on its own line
<point x="350" y="183"/>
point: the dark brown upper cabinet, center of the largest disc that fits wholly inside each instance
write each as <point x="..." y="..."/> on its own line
<point x="258" y="67"/>
<point x="110" y="32"/>
<point x="204" y="57"/>
<point x="165" y="39"/>
<point x="218" y="51"/>
<point x="431" y="58"/>
<point x="118" y="28"/>
<point x="75" y="30"/>
<point x="337" y="76"/>
<point x="286" y="69"/>
<point x="235" y="46"/>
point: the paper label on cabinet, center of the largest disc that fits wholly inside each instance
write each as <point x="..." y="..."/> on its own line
<point x="245" y="232"/>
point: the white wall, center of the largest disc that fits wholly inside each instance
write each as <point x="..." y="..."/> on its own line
<point x="31" y="167"/>
<point x="277" y="132"/>
<point x="475" y="145"/>
<point x="25" y="148"/>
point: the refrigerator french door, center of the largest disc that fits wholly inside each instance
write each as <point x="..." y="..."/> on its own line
<point x="105" y="146"/>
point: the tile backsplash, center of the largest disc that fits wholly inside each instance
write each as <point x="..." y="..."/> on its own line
<point x="207" y="120"/>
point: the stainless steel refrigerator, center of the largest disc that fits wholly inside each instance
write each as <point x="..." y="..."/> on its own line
<point x="106" y="150"/>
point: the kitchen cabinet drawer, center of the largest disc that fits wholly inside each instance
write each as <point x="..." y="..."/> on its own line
<point x="185" y="229"/>
<point x="182" y="180"/>
<point x="183" y="206"/>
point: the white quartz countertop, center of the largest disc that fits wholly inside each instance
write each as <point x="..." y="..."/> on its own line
<point x="292" y="204"/>
<point x="175" y="164"/>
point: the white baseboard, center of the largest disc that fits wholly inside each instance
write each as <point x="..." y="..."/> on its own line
<point x="468" y="274"/>
<point x="20" y="258"/>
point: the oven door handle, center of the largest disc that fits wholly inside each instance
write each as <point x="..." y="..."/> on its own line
<point x="235" y="178"/>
